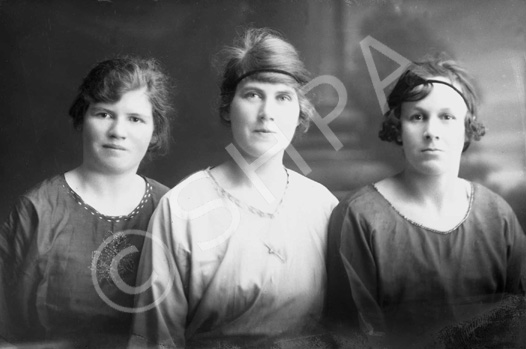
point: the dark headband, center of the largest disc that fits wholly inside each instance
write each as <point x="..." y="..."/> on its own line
<point x="447" y="84"/>
<point x="267" y="70"/>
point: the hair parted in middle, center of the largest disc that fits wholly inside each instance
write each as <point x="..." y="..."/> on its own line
<point x="261" y="54"/>
<point x="414" y="85"/>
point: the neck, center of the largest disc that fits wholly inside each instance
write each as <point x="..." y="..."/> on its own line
<point x="430" y="190"/>
<point x="269" y="172"/>
<point x="104" y="183"/>
<point x="261" y="187"/>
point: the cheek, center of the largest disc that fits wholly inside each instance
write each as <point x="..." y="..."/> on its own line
<point x="89" y="132"/>
<point x="149" y="136"/>
<point x="461" y="135"/>
<point x="236" y="124"/>
<point x="406" y="134"/>
<point x="290" y="115"/>
<point x="237" y="115"/>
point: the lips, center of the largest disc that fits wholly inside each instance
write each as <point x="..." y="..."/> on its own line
<point x="113" y="146"/>
<point x="261" y="130"/>
<point x="431" y="150"/>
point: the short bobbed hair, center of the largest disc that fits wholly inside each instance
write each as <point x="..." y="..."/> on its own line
<point x="263" y="55"/>
<point x="109" y="80"/>
<point x="412" y="86"/>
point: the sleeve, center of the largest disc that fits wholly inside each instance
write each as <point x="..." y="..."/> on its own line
<point x="352" y="280"/>
<point x="19" y="276"/>
<point x="339" y="306"/>
<point x="161" y="310"/>
<point x="516" y="268"/>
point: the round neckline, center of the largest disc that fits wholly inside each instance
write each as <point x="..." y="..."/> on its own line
<point x="441" y="232"/>
<point x="238" y="202"/>
<point x="113" y="219"/>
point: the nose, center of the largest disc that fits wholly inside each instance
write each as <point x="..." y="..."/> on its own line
<point x="432" y="130"/>
<point x="266" y="110"/>
<point x="117" y="128"/>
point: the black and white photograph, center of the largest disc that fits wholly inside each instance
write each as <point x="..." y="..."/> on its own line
<point x="281" y="174"/>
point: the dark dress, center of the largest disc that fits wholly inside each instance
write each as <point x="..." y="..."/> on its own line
<point x="66" y="270"/>
<point x="403" y="281"/>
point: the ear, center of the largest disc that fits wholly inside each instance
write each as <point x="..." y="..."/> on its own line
<point x="225" y="116"/>
<point x="154" y="139"/>
<point x="300" y="115"/>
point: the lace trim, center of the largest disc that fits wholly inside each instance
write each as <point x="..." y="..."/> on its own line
<point x="112" y="219"/>
<point x="471" y="196"/>
<point x="222" y="192"/>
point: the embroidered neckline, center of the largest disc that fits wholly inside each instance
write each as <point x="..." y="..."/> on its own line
<point x="112" y="219"/>
<point x="447" y="232"/>
<point x="222" y="192"/>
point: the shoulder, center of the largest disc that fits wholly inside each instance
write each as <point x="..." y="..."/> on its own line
<point x="196" y="187"/>
<point x="484" y="199"/>
<point x="365" y="202"/>
<point x="37" y="203"/>
<point x="309" y="189"/>
<point x="363" y="211"/>
<point x="48" y="185"/>
<point x="491" y="215"/>
<point x="366" y="195"/>
<point x="45" y="192"/>
<point x="158" y="189"/>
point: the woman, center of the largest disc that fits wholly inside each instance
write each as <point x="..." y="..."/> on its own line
<point x="244" y="263"/>
<point x="59" y="276"/>
<point x="424" y="249"/>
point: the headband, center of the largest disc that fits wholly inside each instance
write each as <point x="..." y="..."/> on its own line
<point x="267" y="70"/>
<point x="447" y="84"/>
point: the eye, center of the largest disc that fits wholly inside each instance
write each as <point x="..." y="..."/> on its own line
<point x="447" y="116"/>
<point x="103" y="115"/>
<point x="285" y="98"/>
<point x="251" y="95"/>
<point x="417" y="117"/>
<point x="135" y="119"/>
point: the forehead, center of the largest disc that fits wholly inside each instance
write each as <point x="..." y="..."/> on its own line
<point x="440" y="96"/>
<point x="137" y="99"/>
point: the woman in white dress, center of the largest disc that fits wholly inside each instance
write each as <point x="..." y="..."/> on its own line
<point x="240" y="258"/>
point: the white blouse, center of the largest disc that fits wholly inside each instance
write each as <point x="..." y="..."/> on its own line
<point x="221" y="270"/>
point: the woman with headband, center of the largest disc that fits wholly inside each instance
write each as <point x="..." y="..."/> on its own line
<point x="423" y="249"/>
<point x="240" y="258"/>
<point x="70" y="248"/>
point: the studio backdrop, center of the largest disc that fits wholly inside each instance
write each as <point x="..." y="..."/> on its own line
<point x="351" y="47"/>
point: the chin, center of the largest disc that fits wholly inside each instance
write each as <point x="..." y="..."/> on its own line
<point x="257" y="152"/>
<point x="436" y="170"/>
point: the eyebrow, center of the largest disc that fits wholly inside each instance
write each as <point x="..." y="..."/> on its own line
<point x="422" y="110"/>
<point x="96" y="108"/>
<point x="286" y="89"/>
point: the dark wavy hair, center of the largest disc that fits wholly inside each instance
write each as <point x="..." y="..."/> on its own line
<point x="109" y="80"/>
<point x="263" y="49"/>
<point x="412" y="86"/>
